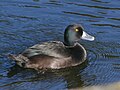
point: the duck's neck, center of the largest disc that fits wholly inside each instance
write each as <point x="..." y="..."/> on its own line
<point x="67" y="41"/>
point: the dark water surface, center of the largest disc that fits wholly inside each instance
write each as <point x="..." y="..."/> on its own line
<point x="24" y="23"/>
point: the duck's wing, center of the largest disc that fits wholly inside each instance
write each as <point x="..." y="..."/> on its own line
<point x="52" y="48"/>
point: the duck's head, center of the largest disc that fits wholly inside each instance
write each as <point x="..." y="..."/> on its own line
<point x="74" y="33"/>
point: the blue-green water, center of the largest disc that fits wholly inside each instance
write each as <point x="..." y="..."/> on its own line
<point x="24" y="23"/>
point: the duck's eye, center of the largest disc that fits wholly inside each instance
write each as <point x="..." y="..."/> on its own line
<point x="76" y="30"/>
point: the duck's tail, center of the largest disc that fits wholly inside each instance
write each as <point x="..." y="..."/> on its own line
<point x="20" y="59"/>
<point x="13" y="57"/>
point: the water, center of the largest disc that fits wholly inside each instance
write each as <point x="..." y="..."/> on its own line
<point x="24" y="23"/>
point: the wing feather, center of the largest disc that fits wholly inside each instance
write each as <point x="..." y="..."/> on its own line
<point x="52" y="48"/>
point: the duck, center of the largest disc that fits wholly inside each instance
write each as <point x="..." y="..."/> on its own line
<point x="56" y="54"/>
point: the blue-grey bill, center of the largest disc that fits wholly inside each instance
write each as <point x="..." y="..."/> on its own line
<point x="86" y="36"/>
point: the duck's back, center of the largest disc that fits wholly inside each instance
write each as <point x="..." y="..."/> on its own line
<point x="53" y="48"/>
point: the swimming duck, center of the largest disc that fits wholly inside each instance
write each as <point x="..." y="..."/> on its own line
<point x="56" y="54"/>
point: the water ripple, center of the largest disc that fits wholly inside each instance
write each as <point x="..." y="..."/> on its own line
<point x="111" y="25"/>
<point x="100" y="7"/>
<point x="88" y="15"/>
<point x="118" y="19"/>
<point x="100" y="1"/>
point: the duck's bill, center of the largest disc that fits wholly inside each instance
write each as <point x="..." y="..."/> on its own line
<point x="86" y="36"/>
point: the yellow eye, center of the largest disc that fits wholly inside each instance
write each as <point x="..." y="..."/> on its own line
<point x="76" y="30"/>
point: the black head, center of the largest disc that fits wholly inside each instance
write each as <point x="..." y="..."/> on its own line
<point x="73" y="33"/>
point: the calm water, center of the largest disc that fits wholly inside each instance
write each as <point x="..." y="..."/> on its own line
<point x="24" y="23"/>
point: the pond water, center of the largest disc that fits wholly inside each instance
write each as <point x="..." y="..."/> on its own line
<point x="24" y="23"/>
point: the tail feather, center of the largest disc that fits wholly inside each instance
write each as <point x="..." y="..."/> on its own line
<point x="20" y="59"/>
<point x="13" y="57"/>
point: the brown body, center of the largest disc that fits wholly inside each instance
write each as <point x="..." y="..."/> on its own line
<point x="53" y="55"/>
